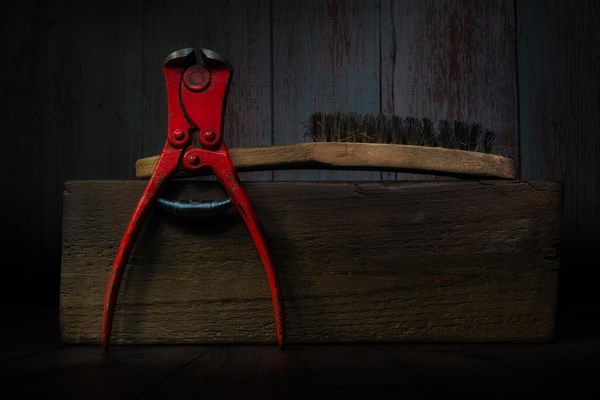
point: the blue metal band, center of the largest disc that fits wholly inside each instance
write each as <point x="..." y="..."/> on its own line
<point x="195" y="208"/>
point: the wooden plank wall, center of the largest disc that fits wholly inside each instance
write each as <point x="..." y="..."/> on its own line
<point x="83" y="94"/>
<point x="22" y="205"/>
<point x="559" y="86"/>
<point x="451" y="60"/>
<point x="326" y="57"/>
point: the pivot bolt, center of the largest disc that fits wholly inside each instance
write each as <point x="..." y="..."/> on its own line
<point x="196" y="78"/>
<point x="193" y="159"/>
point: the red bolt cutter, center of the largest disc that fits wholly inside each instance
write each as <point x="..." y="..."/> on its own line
<point x="196" y="96"/>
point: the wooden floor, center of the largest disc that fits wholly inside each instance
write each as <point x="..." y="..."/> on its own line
<point x="35" y="364"/>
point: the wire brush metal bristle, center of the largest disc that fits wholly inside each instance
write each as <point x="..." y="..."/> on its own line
<point x="370" y="128"/>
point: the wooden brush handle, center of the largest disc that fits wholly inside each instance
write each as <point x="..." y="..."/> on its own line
<point x="362" y="156"/>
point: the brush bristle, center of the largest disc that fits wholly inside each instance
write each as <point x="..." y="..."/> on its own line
<point x="370" y="128"/>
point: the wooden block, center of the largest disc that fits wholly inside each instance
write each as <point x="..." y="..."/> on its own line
<point x="402" y="261"/>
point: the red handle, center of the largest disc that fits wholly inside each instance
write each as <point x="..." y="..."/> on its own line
<point x="222" y="167"/>
<point x="164" y="169"/>
<point x="196" y="100"/>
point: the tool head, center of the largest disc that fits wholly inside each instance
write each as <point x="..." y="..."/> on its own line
<point x="212" y="58"/>
<point x="187" y="56"/>
<point x="196" y="96"/>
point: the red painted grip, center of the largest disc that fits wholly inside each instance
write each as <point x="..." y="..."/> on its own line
<point x="163" y="170"/>
<point x="225" y="172"/>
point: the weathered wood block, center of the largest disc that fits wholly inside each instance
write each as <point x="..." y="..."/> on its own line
<point x="400" y="261"/>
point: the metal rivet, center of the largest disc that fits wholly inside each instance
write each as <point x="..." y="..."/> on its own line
<point x="193" y="159"/>
<point x="179" y="134"/>
<point x="196" y="78"/>
<point x="209" y="135"/>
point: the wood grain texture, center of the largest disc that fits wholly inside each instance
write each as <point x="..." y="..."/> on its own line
<point x="559" y="82"/>
<point x="27" y="331"/>
<point x="82" y="84"/>
<point x="361" y="156"/>
<point x="325" y="58"/>
<point x="563" y="369"/>
<point x="451" y="60"/>
<point x="525" y="371"/>
<point x="445" y="261"/>
<point x="21" y="26"/>
<point x="240" y="32"/>
<point x="93" y="126"/>
<point x="77" y="372"/>
<point x="298" y="372"/>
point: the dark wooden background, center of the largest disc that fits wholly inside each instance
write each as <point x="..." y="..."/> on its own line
<point x="83" y="97"/>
